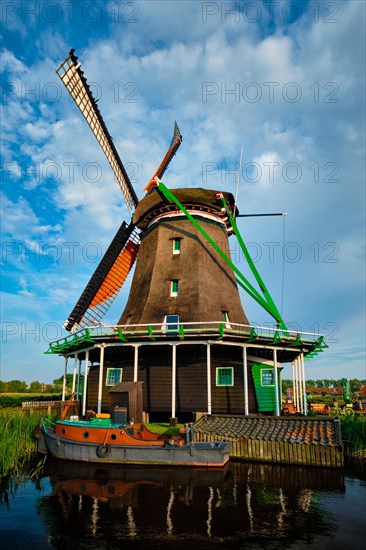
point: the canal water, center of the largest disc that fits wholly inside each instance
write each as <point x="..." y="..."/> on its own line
<point x="79" y="506"/>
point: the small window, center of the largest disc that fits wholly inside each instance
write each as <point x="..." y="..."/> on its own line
<point x="174" y="287"/>
<point x="176" y="246"/>
<point x="267" y="377"/>
<point x="113" y="377"/>
<point x="225" y="377"/>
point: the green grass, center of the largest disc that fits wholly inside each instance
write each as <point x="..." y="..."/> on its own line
<point x="16" y="441"/>
<point x="354" y="436"/>
<point x="164" y="428"/>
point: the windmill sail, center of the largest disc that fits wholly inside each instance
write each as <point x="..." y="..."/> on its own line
<point x="107" y="280"/>
<point x="173" y="147"/>
<point x="73" y="78"/>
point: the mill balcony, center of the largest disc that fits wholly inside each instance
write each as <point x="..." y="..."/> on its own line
<point x="260" y="339"/>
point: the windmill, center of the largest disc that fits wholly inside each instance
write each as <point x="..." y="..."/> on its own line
<point x="184" y="292"/>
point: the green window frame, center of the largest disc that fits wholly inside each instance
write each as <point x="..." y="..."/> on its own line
<point x="267" y="377"/>
<point x="113" y="376"/>
<point x="176" y="246"/>
<point x="225" y="376"/>
<point x="174" y="285"/>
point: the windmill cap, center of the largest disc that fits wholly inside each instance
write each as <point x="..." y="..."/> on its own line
<point x="198" y="198"/>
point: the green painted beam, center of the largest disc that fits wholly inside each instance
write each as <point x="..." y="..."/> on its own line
<point x="272" y="308"/>
<point x="242" y="281"/>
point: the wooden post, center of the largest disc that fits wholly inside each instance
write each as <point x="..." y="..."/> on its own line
<point x="64" y="382"/>
<point x="85" y="382"/>
<point x="209" y="398"/>
<point x="100" y="385"/>
<point x="245" y="379"/>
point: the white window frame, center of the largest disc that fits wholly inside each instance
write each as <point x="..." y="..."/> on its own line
<point x="174" y="293"/>
<point x="107" y="373"/>
<point x="267" y="385"/>
<point x="176" y="251"/>
<point x="217" y="377"/>
<point x="165" y="325"/>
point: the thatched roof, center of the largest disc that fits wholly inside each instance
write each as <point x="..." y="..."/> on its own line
<point x="153" y="202"/>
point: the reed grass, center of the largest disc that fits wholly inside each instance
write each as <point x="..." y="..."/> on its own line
<point x="16" y="441"/>
<point x="354" y="436"/>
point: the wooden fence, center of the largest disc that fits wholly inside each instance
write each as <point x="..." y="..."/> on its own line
<point x="278" y="452"/>
<point x="50" y="407"/>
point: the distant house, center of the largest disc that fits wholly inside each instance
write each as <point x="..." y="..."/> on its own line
<point x="325" y="391"/>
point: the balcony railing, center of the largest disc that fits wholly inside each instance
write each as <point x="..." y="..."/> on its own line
<point x="214" y="330"/>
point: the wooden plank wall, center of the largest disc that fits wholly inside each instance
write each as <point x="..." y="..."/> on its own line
<point x="155" y="371"/>
<point x="278" y="452"/>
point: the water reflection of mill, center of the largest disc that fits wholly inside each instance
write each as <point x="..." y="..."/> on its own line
<point x="160" y="504"/>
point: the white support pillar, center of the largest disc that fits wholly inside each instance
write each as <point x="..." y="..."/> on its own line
<point x="304" y="384"/>
<point x="85" y="382"/>
<point x="209" y="398"/>
<point x="78" y="381"/>
<point x="300" y="387"/>
<point x="174" y="377"/>
<point x="100" y="385"/>
<point x="277" y="404"/>
<point x="64" y="380"/>
<point x="296" y="401"/>
<point x="245" y="379"/>
<point x="136" y="364"/>
<point x="74" y="373"/>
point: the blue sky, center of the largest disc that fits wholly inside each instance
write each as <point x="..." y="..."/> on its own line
<point x="284" y="80"/>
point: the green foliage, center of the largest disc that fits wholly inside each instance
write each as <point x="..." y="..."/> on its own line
<point x="35" y="386"/>
<point x="354" y="436"/>
<point x="164" y="428"/>
<point x="16" y="439"/>
<point x="17" y="400"/>
<point x="16" y="386"/>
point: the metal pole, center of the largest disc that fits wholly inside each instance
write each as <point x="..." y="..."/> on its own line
<point x="245" y="379"/>
<point x="174" y="373"/>
<point x="304" y="384"/>
<point x="136" y="364"/>
<point x="85" y="382"/>
<point x="100" y="386"/>
<point x="74" y="373"/>
<point x="209" y="399"/>
<point x="276" y="382"/>
<point x="64" y="381"/>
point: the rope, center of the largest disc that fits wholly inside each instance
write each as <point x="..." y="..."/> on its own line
<point x="283" y="262"/>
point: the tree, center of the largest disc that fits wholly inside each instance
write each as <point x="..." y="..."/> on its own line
<point x="16" y="386"/>
<point x="60" y="381"/>
<point x="35" y="386"/>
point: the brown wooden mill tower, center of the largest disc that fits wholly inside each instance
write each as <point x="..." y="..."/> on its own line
<point x="183" y="343"/>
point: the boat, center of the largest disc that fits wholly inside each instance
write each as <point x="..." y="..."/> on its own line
<point x="103" y="440"/>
